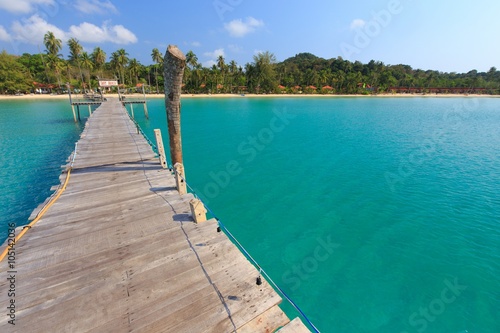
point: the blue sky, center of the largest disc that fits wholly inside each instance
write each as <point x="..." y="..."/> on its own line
<point x="450" y="36"/>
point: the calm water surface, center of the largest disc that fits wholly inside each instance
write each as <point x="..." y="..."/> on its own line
<point x="36" y="138"/>
<point x="374" y="215"/>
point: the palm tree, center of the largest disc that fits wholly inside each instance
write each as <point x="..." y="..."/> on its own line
<point x="134" y="68"/>
<point x="158" y="59"/>
<point x="233" y="69"/>
<point x="99" y="58"/>
<point x="191" y="59"/>
<point x="197" y="74"/>
<point x="264" y="71"/>
<point x="54" y="64"/>
<point x="119" y="61"/>
<point x="222" y="66"/>
<point x="75" y="51"/>
<point x="87" y="64"/>
<point x="52" y="44"/>
<point x="189" y="73"/>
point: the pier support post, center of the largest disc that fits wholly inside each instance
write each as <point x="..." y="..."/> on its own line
<point x="180" y="178"/>
<point x="173" y="70"/>
<point x="145" y="105"/>
<point x="161" y="150"/>
<point x="90" y="111"/>
<point x="74" y="114"/>
<point x="132" y="110"/>
<point x="198" y="210"/>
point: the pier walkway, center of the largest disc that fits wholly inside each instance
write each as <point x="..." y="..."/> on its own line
<point x="119" y="252"/>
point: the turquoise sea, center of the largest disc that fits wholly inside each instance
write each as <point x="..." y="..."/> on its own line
<point x="36" y="138"/>
<point x="373" y="214"/>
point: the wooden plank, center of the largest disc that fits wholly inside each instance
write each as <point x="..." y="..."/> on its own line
<point x="295" y="326"/>
<point x="268" y="322"/>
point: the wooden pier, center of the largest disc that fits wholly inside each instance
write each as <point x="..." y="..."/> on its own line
<point x="119" y="252"/>
<point x="94" y="102"/>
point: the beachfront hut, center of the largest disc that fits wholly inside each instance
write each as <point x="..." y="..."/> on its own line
<point x="327" y="89"/>
<point x="311" y="89"/>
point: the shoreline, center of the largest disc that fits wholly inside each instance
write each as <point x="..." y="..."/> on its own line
<point x="188" y="96"/>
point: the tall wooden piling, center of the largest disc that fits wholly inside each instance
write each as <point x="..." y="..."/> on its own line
<point x="74" y="113"/>
<point x="146" y="114"/>
<point x="174" y="64"/>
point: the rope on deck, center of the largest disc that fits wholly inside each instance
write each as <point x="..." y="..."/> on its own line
<point x="10" y="245"/>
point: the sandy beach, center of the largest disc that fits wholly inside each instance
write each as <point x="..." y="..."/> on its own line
<point x="154" y="96"/>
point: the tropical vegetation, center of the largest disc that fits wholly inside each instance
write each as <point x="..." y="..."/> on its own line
<point x="302" y="74"/>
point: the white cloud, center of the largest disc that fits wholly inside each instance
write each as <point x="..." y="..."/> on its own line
<point x="215" y="54"/>
<point x="196" y="44"/>
<point x="22" y="6"/>
<point x="90" y="33"/>
<point x="33" y="29"/>
<point x="240" y="28"/>
<point x="213" y="57"/>
<point x="95" y="6"/>
<point x="4" y="35"/>
<point x="121" y="35"/>
<point x="209" y="63"/>
<point x="87" y="32"/>
<point x="357" y="24"/>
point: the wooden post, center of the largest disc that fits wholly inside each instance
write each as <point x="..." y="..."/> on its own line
<point x="132" y="110"/>
<point x="198" y="210"/>
<point x="180" y="178"/>
<point x="145" y="105"/>
<point x="146" y="110"/>
<point x="119" y="95"/>
<point x="74" y="114"/>
<point x="69" y="92"/>
<point x="173" y="70"/>
<point x="71" y="101"/>
<point x="161" y="150"/>
<point x="90" y="111"/>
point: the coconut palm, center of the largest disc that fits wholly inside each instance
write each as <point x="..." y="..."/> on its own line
<point x="191" y="59"/>
<point x="75" y="51"/>
<point x="99" y="58"/>
<point x="134" y="68"/>
<point x="264" y="72"/>
<point x="221" y="64"/>
<point x="54" y="63"/>
<point x="119" y="60"/>
<point x="158" y="59"/>
<point x="233" y="70"/>
<point x="52" y="44"/>
<point x="86" y="63"/>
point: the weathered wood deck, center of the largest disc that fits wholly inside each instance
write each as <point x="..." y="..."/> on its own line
<point x="119" y="252"/>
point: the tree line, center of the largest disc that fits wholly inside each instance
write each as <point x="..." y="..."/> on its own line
<point x="303" y="73"/>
